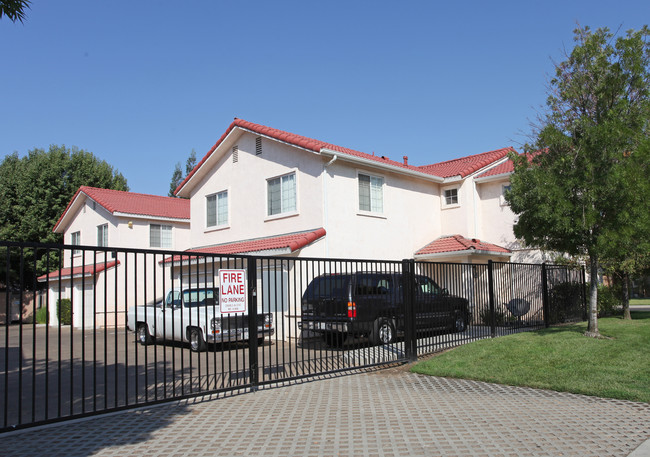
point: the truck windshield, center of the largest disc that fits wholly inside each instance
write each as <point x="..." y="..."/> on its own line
<point x="198" y="297"/>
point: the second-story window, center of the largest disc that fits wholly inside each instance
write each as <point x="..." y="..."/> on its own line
<point x="160" y="236"/>
<point x="216" y="206"/>
<point x="102" y="235"/>
<point x="371" y="193"/>
<point x="451" y="197"/>
<point x="75" y="239"/>
<point x="505" y="188"/>
<point x="281" y="194"/>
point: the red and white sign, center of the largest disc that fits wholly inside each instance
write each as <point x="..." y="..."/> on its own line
<point x="232" y="291"/>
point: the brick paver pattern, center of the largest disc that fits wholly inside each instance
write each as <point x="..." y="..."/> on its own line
<point x="380" y="413"/>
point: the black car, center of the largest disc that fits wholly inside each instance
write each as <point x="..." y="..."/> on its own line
<point x="371" y="305"/>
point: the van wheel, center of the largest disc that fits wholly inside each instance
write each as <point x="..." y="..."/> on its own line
<point x="383" y="332"/>
<point x="197" y="343"/>
<point x="335" y="339"/>
<point x="142" y="335"/>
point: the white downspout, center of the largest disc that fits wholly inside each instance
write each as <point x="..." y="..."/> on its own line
<point x="325" y="205"/>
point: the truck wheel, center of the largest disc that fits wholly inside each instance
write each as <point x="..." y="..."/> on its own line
<point x="383" y="332"/>
<point x="197" y="343"/>
<point x="142" y="334"/>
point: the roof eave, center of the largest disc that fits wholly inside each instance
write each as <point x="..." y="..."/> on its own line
<point x="185" y="188"/>
<point x="62" y="224"/>
<point x="375" y="164"/>
<point x="499" y="177"/>
<point x="152" y="217"/>
<point x="472" y="252"/>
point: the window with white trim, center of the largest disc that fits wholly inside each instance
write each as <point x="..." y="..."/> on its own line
<point x="102" y="235"/>
<point x="504" y="189"/>
<point x="75" y="239"/>
<point x="450" y="197"/>
<point x="160" y="236"/>
<point x="216" y="209"/>
<point x="371" y="193"/>
<point x="281" y="195"/>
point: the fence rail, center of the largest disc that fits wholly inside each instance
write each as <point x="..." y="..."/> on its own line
<point x="87" y="330"/>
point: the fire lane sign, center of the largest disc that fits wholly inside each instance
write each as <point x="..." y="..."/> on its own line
<point x="232" y="291"/>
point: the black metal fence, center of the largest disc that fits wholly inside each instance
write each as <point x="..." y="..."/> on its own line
<point x="87" y="330"/>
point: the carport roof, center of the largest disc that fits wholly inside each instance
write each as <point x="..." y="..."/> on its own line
<point x="78" y="272"/>
<point x="272" y="245"/>
<point x="457" y="244"/>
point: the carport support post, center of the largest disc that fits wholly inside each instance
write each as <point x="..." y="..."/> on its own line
<point x="410" y="339"/>
<point x="252" y="320"/>
<point x="493" y="328"/>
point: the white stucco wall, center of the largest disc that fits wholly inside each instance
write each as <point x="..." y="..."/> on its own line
<point x="497" y="219"/>
<point x="410" y="218"/>
<point x="458" y="219"/>
<point x="246" y="183"/>
<point x="109" y="293"/>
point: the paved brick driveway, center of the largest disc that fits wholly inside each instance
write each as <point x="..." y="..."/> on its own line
<point x="379" y="413"/>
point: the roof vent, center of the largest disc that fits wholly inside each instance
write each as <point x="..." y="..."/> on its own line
<point x="258" y="145"/>
<point x="406" y="160"/>
<point x="474" y="240"/>
<point x="235" y="154"/>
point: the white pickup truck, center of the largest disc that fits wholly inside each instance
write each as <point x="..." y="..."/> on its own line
<point x="193" y="316"/>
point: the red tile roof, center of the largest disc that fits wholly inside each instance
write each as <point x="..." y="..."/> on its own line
<point x="465" y="165"/>
<point x="504" y="168"/>
<point x="458" y="244"/>
<point x="461" y="166"/>
<point x="501" y="169"/>
<point x="117" y="201"/>
<point x="86" y="270"/>
<point x="291" y="241"/>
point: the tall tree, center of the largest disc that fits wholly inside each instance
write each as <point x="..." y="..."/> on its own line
<point x="572" y="193"/>
<point x="177" y="176"/>
<point x="626" y="251"/>
<point x="35" y="190"/>
<point x="14" y="9"/>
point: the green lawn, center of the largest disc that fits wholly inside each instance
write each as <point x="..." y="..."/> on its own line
<point x="559" y="358"/>
<point x="640" y="301"/>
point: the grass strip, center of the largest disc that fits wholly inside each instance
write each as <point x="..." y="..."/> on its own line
<point x="559" y="358"/>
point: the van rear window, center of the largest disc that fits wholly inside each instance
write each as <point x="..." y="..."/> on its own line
<point x="328" y="287"/>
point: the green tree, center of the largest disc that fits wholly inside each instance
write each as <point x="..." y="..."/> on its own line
<point x="14" y="9"/>
<point x="177" y="176"/>
<point x="36" y="189"/>
<point x="626" y="251"/>
<point x="572" y="192"/>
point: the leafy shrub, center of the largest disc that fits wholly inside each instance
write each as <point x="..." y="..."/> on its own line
<point x="499" y="316"/>
<point x="565" y="302"/>
<point x="42" y="316"/>
<point x="64" y="311"/>
<point x="609" y="300"/>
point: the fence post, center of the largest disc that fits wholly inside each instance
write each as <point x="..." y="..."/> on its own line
<point x="493" y="328"/>
<point x="410" y="338"/>
<point x="545" y="303"/>
<point x="252" y="320"/>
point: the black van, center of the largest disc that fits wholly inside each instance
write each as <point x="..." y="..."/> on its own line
<point x="371" y="305"/>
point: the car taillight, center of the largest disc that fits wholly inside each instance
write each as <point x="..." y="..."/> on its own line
<point x="352" y="309"/>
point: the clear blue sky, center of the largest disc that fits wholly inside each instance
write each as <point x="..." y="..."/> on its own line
<point x="142" y="83"/>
